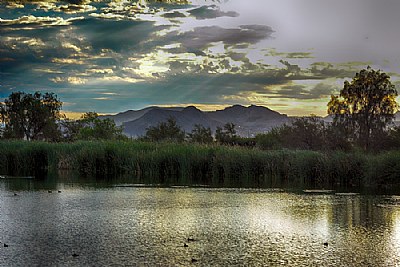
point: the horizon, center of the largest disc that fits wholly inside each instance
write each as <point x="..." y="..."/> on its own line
<point x="112" y="56"/>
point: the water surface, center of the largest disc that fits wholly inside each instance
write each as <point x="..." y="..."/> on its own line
<point x="148" y="226"/>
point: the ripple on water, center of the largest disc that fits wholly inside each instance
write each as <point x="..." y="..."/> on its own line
<point x="149" y="226"/>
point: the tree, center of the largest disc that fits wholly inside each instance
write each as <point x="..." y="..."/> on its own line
<point x="91" y="127"/>
<point x="302" y="133"/>
<point x="365" y="106"/>
<point x="307" y="133"/>
<point x="165" y="131"/>
<point x="270" y="140"/>
<point x="31" y="116"/>
<point x="200" y="134"/>
<point x="227" y="135"/>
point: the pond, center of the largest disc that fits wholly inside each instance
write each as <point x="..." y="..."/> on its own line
<point x="92" y="224"/>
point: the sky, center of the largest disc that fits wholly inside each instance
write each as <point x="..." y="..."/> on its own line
<point x="115" y="55"/>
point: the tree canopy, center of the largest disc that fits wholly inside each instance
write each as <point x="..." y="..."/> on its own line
<point x="31" y="116"/>
<point x="200" y="134"/>
<point x="165" y="131"/>
<point x="226" y="135"/>
<point x="365" y="106"/>
<point x="91" y="127"/>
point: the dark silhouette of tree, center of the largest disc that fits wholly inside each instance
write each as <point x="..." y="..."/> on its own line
<point x="201" y="135"/>
<point x="270" y="140"/>
<point x="31" y="116"/>
<point x="365" y="106"/>
<point x="165" y="131"/>
<point x="91" y="127"/>
<point x="227" y="135"/>
<point x="302" y="133"/>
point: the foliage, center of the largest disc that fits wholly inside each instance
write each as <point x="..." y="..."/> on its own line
<point x="165" y="131"/>
<point x="91" y="127"/>
<point x="31" y="116"/>
<point x="305" y="133"/>
<point x="71" y="129"/>
<point x="200" y="135"/>
<point x="269" y="140"/>
<point x="308" y="133"/>
<point x="191" y="164"/>
<point x="365" y="106"/>
<point x="227" y="135"/>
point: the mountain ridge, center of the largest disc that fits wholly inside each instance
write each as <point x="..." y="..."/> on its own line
<point x="248" y="120"/>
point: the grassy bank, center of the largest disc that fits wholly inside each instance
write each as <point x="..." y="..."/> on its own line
<point x="186" y="164"/>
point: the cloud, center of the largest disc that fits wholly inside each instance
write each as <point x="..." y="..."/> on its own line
<point x="71" y="80"/>
<point x="325" y="69"/>
<point x="211" y="12"/>
<point x="298" y="91"/>
<point x="202" y="37"/>
<point x="12" y="5"/>
<point x="31" y="20"/>
<point x="74" y="8"/>
<point x="296" y="55"/>
<point x="110" y="16"/>
<point x="116" y="35"/>
<point x="173" y="15"/>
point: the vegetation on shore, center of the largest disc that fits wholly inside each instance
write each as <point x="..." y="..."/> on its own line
<point x="190" y="164"/>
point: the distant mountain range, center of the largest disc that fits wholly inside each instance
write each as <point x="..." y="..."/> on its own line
<point x="248" y="120"/>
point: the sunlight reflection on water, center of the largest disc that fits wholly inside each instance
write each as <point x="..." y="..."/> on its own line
<point x="141" y="226"/>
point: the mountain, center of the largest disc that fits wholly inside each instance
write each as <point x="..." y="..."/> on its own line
<point x="248" y="120"/>
<point x="185" y="118"/>
<point x="131" y="115"/>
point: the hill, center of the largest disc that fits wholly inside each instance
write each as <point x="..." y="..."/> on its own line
<point x="248" y="120"/>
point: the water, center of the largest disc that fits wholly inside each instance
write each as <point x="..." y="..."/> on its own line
<point x="148" y="226"/>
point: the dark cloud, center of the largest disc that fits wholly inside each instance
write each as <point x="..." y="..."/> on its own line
<point x="301" y="92"/>
<point x="299" y="55"/>
<point x="174" y="15"/>
<point x="202" y="37"/>
<point x="274" y="53"/>
<point x="211" y="12"/>
<point x="293" y="70"/>
<point x="324" y="69"/>
<point x="116" y="35"/>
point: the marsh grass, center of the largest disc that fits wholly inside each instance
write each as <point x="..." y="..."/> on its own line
<point x="191" y="164"/>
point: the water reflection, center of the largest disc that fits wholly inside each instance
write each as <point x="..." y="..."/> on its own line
<point x="136" y="226"/>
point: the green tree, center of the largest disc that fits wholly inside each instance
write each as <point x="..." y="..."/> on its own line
<point x="226" y="135"/>
<point x="200" y="134"/>
<point x="91" y="127"/>
<point x="165" y="131"/>
<point x="302" y="133"/>
<point x="269" y="140"/>
<point x="31" y="116"/>
<point x="365" y="106"/>
<point x="307" y="133"/>
<point x="95" y="128"/>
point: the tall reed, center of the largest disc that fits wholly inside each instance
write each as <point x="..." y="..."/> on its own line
<point x="190" y="164"/>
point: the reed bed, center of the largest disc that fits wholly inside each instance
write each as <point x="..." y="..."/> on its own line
<point x="191" y="164"/>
